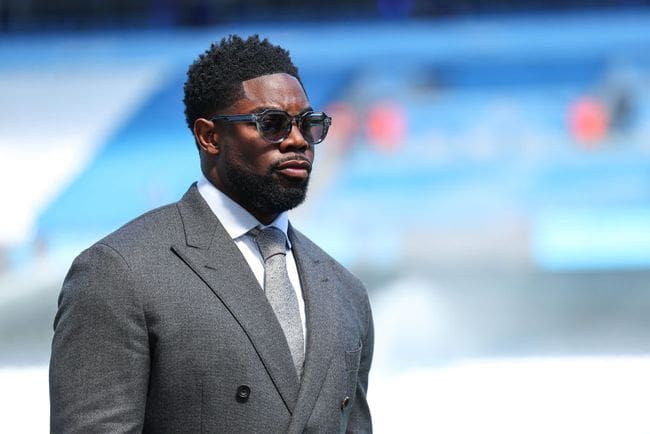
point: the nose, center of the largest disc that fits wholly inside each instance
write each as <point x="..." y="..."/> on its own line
<point x="294" y="140"/>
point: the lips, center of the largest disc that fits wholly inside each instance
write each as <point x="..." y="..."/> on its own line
<point x="296" y="168"/>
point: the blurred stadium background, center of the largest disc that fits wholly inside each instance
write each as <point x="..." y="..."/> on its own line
<point x="487" y="175"/>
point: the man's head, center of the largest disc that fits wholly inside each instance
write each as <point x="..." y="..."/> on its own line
<point x="214" y="80"/>
<point x="266" y="174"/>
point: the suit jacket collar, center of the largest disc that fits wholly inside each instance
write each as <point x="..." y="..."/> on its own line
<point x="322" y="331"/>
<point x="211" y="254"/>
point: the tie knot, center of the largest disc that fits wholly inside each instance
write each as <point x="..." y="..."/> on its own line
<point x="271" y="241"/>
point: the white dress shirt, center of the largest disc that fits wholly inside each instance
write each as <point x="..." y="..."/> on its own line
<point x="237" y="222"/>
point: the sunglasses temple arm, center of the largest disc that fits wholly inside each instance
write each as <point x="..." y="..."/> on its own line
<point x="235" y="118"/>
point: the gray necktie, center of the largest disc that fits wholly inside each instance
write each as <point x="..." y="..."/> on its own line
<point x="279" y="291"/>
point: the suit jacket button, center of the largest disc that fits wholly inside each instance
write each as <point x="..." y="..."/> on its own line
<point x="345" y="402"/>
<point x="243" y="393"/>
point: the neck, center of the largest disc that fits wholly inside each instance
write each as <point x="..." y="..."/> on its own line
<point x="265" y="219"/>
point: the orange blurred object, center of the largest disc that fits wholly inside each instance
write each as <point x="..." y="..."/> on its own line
<point x="588" y="120"/>
<point x="345" y="123"/>
<point x="387" y="125"/>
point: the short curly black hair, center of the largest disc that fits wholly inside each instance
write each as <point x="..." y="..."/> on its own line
<point x="214" y="80"/>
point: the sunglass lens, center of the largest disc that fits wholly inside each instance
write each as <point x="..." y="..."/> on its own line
<point x="275" y="126"/>
<point x="313" y="128"/>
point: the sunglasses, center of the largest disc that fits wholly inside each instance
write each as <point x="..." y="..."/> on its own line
<point x="275" y="125"/>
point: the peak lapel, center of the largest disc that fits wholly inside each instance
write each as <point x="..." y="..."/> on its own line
<point x="211" y="253"/>
<point x="321" y="327"/>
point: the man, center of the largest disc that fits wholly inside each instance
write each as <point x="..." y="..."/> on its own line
<point x="184" y="320"/>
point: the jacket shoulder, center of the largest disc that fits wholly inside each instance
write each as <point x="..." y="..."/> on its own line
<point x="160" y="225"/>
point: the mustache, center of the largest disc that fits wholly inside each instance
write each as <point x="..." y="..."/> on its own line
<point x="292" y="157"/>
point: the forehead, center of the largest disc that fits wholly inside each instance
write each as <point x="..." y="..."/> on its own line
<point x="280" y="90"/>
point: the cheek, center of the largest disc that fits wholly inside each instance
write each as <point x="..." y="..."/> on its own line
<point x="253" y="159"/>
<point x="263" y="163"/>
<point x="244" y="148"/>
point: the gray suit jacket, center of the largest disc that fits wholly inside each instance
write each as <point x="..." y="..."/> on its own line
<point x="162" y="327"/>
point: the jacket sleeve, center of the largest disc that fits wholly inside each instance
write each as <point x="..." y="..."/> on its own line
<point x="359" y="420"/>
<point x="99" y="367"/>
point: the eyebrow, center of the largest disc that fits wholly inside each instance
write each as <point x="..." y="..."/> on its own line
<point x="262" y="108"/>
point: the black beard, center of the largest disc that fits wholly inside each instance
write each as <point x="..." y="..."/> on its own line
<point x="265" y="193"/>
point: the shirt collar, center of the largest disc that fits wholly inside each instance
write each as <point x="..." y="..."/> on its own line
<point x="233" y="217"/>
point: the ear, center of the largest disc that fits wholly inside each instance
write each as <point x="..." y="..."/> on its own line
<point x="206" y="136"/>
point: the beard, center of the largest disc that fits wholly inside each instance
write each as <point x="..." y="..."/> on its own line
<point x="265" y="193"/>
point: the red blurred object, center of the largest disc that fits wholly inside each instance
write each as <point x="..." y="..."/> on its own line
<point x="387" y="125"/>
<point x="588" y="120"/>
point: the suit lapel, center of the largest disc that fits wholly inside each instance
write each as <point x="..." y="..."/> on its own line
<point x="322" y="331"/>
<point x="211" y="253"/>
